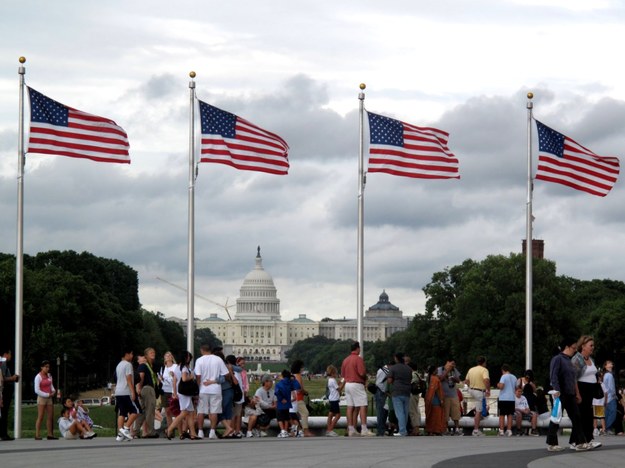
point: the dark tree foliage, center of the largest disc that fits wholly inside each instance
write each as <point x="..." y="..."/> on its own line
<point x="204" y="336"/>
<point x="82" y="307"/>
<point x="319" y="352"/>
<point x="478" y="308"/>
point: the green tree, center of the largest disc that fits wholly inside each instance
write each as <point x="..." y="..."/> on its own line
<point x="204" y="336"/>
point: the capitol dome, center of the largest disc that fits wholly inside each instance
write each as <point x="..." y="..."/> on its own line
<point x="258" y="295"/>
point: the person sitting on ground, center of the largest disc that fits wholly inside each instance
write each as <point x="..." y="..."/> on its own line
<point x="82" y="413"/>
<point x="252" y="410"/>
<point x="267" y="402"/>
<point x="522" y="412"/>
<point x="73" y="429"/>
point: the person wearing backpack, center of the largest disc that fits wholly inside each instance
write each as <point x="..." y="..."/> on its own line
<point x="400" y="375"/>
<point x="380" y="399"/>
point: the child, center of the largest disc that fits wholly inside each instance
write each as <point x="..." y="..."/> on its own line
<point x="522" y="411"/>
<point x="283" y="396"/>
<point x="334" y="395"/>
<point x="82" y="413"/>
<point x="505" y="404"/>
<point x="69" y="404"/>
<point x="598" y="408"/>
<point x="296" y="425"/>
<point x="73" y="429"/>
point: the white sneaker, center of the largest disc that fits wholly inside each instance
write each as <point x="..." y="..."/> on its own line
<point x="249" y="435"/>
<point x="263" y="434"/>
<point x="508" y="433"/>
<point x="593" y="444"/>
<point x="331" y="434"/>
<point x="125" y="433"/>
<point x="366" y="433"/>
<point x="595" y="433"/>
<point x="119" y="438"/>
<point x="554" y="448"/>
<point x="477" y="433"/>
<point x="501" y="433"/>
<point x="283" y="435"/>
<point x="200" y="434"/>
<point x="353" y="433"/>
<point x="582" y="447"/>
<point x="212" y="435"/>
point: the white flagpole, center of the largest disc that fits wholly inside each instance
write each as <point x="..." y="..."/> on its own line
<point x="19" y="257"/>
<point x="191" y="226"/>
<point x="361" y="209"/>
<point x="529" y="244"/>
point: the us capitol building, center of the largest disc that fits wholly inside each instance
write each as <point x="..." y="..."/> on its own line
<point x="258" y="333"/>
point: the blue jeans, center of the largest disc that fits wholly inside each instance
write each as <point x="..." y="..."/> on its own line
<point x="401" y="405"/>
<point x="382" y="414"/>
<point x="610" y="415"/>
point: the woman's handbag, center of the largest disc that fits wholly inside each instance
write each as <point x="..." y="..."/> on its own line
<point x="238" y="393"/>
<point x="188" y="388"/>
<point x="597" y="392"/>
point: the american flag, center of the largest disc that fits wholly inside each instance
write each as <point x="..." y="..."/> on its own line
<point x="231" y="140"/>
<point x="61" y="130"/>
<point x="403" y="149"/>
<point x="564" y="161"/>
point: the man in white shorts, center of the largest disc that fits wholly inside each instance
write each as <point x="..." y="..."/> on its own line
<point x="210" y="371"/>
<point x="355" y="374"/>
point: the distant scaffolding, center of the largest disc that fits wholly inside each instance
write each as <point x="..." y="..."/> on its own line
<point x="538" y="248"/>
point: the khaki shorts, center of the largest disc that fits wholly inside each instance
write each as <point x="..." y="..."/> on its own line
<point x="451" y="408"/>
<point x="355" y="394"/>
<point x="45" y="401"/>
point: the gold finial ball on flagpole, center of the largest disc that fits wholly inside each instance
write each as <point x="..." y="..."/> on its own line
<point x="530" y="95"/>
<point x="192" y="74"/>
<point x="22" y="59"/>
<point x="362" y="86"/>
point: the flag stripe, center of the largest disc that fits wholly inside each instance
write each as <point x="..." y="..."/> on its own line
<point x="403" y="149"/>
<point x="562" y="160"/>
<point x="61" y="130"/>
<point x="233" y="141"/>
<point x="77" y="136"/>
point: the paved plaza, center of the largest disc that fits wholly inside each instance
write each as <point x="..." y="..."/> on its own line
<point x="343" y="452"/>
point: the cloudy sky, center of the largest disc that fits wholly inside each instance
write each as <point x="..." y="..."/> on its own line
<point x="294" y="68"/>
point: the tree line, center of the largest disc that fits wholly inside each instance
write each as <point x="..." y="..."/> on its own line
<point x="82" y="309"/>
<point x="478" y="308"/>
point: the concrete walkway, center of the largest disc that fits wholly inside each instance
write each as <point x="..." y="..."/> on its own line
<point x="343" y="452"/>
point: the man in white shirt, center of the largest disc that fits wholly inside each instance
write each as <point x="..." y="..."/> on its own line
<point x="210" y="371"/>
<point x="125" y="397"/>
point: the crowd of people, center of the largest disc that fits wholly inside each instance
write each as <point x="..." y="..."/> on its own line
<point x="217" y="387"/>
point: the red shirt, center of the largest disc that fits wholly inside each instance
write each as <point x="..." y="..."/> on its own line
<point x="353" y="369"/>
